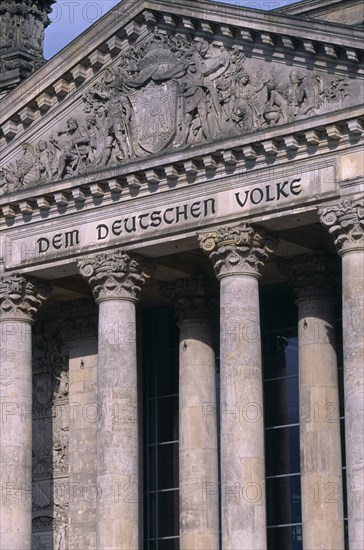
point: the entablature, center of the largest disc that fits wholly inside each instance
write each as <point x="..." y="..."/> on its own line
<point x="242" y="156"/>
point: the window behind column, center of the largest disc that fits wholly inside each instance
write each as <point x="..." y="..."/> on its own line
<point x="160" y="390"/>
<point x="281" y="404"/>
<point x="281" y="408"/>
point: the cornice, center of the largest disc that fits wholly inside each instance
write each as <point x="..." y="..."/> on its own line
<point x="119" y="29"/>
<point x="194" y="164"/>
<point x="317" y="6"/>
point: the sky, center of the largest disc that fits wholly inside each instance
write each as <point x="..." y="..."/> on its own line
<point x="71" y="17"/>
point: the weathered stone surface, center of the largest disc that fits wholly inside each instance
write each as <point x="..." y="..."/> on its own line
<point x="161" y="120"/>
<point x="170" y="92"/>
<point x="116" y="275"/>
<point x="236" y="250"/>
<point x="238" y="255"/>
<point x="353" y="333"/>
<point x="22" y="24"/>
<point x="20" y="297"/>
<point x="321" y="467"/>
<point x="345" y="223"/>
<point x="83" y="443"/>
<point x="198" y="455"/>
<point x="192" y="298"/>
<point x="50" y="448"/>
<point x="19" y="301"/>
<point x="116" y="280"/>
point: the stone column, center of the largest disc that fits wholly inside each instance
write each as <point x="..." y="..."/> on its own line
<point x="320" y="444"/>
<point x="238" y="253"/>
<point x="345" y="221"/>
<point x="198" y="466"/>
<point x="116" y="280"/>
<point x="20" y="298"/>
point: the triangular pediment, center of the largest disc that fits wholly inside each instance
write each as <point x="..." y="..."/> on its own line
<point x="160" y="78"/>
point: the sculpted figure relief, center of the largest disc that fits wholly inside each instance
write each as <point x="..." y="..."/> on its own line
<point x="60" y="530"/>
<point x="74" y="150"/>
<point x="50" y="438"/>
<point x="250" y="102"/>
<point x="170" y="92"/>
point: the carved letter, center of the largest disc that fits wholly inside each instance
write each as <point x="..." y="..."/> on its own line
<point x="206" y="205"/>
<point x="196" y="210"/>
<point x="141" y="217"/>
<point x="156" y="218"/>
<point x="242" y="204"/>
<point x="102" y="231"/>
<point x="260" y="197"/>
<point x="57" y="241"/>
<point x="268" y="198"/>
<point x="43" y="245"/>
<point x="167" y="220"/>
<point x="296" y="189"/>
<point x="116" y="228"/>
<point x="72" y="238"/>
<point x="131" y="229"/>
<point x="280" y="190"/>
<point x="181" y="211"/>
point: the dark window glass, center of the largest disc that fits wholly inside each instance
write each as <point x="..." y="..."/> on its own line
<point x="280" y="354"/>
<point x="168" y="544"/>
<point x="160" y="391"/>
<point x="345" y="494"/>
<point x="168" y="513"/>
<point x="151" y="421"/>
<point x="167" y="376"/>
<point x="283" y="500"/>
<point x="281" y="405"/>
<point x="285" y="538"/>
<point x="168" y="466"/>
<point x="151" y="484"/>
<point x="282" y="451"/>
<point x="281" y="414"/>
<point x="167" y="419"/>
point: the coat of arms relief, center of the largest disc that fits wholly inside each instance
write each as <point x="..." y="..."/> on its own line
<point x="171" y="92"/>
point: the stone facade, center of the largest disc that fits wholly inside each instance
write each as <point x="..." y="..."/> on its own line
<point x="198" y="155"/>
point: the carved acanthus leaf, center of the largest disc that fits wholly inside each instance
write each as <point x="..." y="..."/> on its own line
<point x="192" y="298"/>
<point x="310" y="275"/>
<point x="21" y="297"/>
<point x="345" y="222"/>
<point x="238" y="249"/>
<point x="116" y="275"/>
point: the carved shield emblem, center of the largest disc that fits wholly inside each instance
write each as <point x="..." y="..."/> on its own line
<point x="155" y="112"/>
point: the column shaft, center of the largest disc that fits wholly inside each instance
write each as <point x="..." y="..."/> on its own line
<point x="238" y="254"/>
<point x="353" y="336"/>
<point x="116" y="280"/>
<point x="345" y="222"/>
<point x="20" y="298"/>
<point x="16" y="435"/>
<point x="321" y="468"/>
<point x="199" y="520"/>
<point x="242" y="430"/>
<point x="117" y="430"/>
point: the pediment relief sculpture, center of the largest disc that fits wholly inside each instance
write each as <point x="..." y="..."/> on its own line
<point x="172" y="92"/>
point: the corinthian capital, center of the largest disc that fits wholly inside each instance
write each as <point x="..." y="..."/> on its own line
<point x="345" y="222"/>
<point x="239" y="249"/>
<point x="116" y="275"/>
<point x="21" y="297"/>
<point x="191" y="298"/>
<point x="310" y="275"/>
